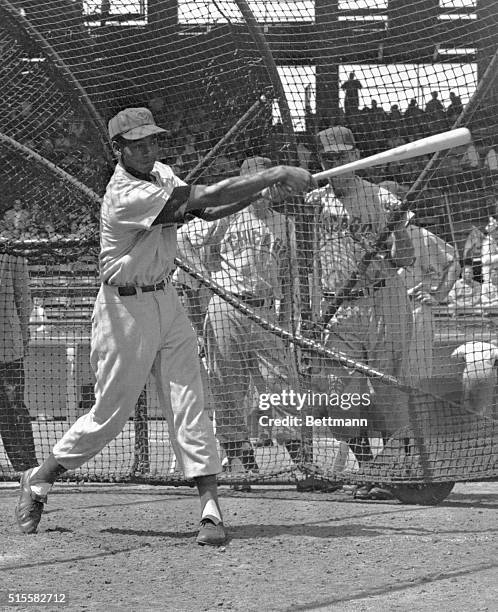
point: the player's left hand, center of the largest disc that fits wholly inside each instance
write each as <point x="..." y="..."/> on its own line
<point x="292" y="179"/>
<point x="419" y="293"/>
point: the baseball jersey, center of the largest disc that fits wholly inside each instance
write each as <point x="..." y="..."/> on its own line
<point x="252" y="251"/>
<point x="432" y="256"/>
<point x="350" y="226"/>
<point x="133" y="251"/>
<point x="195" y="243"/>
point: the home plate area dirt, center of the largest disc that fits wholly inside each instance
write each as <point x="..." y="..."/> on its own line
<point x="117" y="547"/>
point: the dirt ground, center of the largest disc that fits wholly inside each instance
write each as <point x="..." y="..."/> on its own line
<point x="115" y="547"/>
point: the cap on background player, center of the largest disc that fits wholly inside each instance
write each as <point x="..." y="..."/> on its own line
<point x="336" y="146"/>
<point x="252" y="165"/>
<point x="133" y="124"/>
<point x="335" y="140"/>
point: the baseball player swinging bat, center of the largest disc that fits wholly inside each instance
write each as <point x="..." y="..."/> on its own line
<point x="424" y="146"/>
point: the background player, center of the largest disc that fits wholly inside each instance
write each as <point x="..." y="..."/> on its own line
<point x="428" y="282"/>
<point x="139" y="325"/>
<point x="255" y="246"/>
<point x="15" y="307"/>
<point x="373" y="326"/>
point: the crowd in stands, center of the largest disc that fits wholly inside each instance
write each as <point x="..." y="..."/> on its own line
<point x="468" y="176"/>
<point x="28" y="214"/>
<point x="471" y="297"/>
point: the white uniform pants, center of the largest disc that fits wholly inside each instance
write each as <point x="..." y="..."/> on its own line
<point x="132" y="336"/>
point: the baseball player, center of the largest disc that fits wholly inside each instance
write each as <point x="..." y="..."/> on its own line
<point x="428" y="282"/>
<point x="374" y="325"/>
<point x="254" y="247"/>
<point x="15" y="308"/>
<point x="489" y="249"/>
<point x="138" y="323"/>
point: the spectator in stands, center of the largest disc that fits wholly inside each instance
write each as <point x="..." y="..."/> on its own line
<point x="395" y="119"/>
<point x="435" y="113"/>
<point x="16" y="219"/>
<point x="489" y="292"/>
<point x="395" y="140"/>
<point x="309" y="115"/>
<point x="303" y="152"/>
<point x="378" y="125"/>
<point x="465" y="295"/>
<point x="15" y="309"/>
<point x="105" y="11"/>
<point x="414" y="118"/>
<point x="189" y="154"/>
<point x="489" y="250"/>
<point x="351" y="88"/>
<point x="157" y="105"/>
<point x="454" y="108"/>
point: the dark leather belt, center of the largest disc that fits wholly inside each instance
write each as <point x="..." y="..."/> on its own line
<point x="130" y="290"/>
<point x="253" y="301"/>
<point x="356" y="293"/>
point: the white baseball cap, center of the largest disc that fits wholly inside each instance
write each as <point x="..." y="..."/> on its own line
<point x="335" y="139"/>
<point x="133" y="124"/>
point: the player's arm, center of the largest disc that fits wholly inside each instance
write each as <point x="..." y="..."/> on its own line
<point x="213" y="214"/>
<point x="452" y="295"/>
<point x="450" y="274"/>
<point x="488" y="255"/>
<point x="402" y="252"/>
<point x="185" y="198"/>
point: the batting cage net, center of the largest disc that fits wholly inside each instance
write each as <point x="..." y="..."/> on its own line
<point x="348" y="334"/>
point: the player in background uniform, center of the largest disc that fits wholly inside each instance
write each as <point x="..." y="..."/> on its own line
<point x="489" y="250"/>
<point x="428" y="282"/>
<point x="139" y="325"/>
<point x="374" y="325"/>
<point x="15" y="307"/>
<point x="255" y="248"/>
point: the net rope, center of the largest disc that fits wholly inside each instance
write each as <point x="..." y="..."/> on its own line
<point x="230" y="80"/>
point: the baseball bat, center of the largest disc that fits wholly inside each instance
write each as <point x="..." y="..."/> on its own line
<point x="424" y="146"/>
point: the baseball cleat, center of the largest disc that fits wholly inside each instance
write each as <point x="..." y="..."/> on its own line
<point x="211" y="534"/>
<point x="372" y="492"/>
<point x="311" y="483"/>
<point x="381" y="493"/>
<point x="243" y="488"/>
<point x="29" y="507"/>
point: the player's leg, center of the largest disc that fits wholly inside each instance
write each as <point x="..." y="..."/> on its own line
<point x="349" y="335"/>
<point x="228" y="341"/>
<point x="177" y="373"/>
<point x="124" y="344"/>
<point x="389" y="339"/>
<point x="15" y="421"/>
